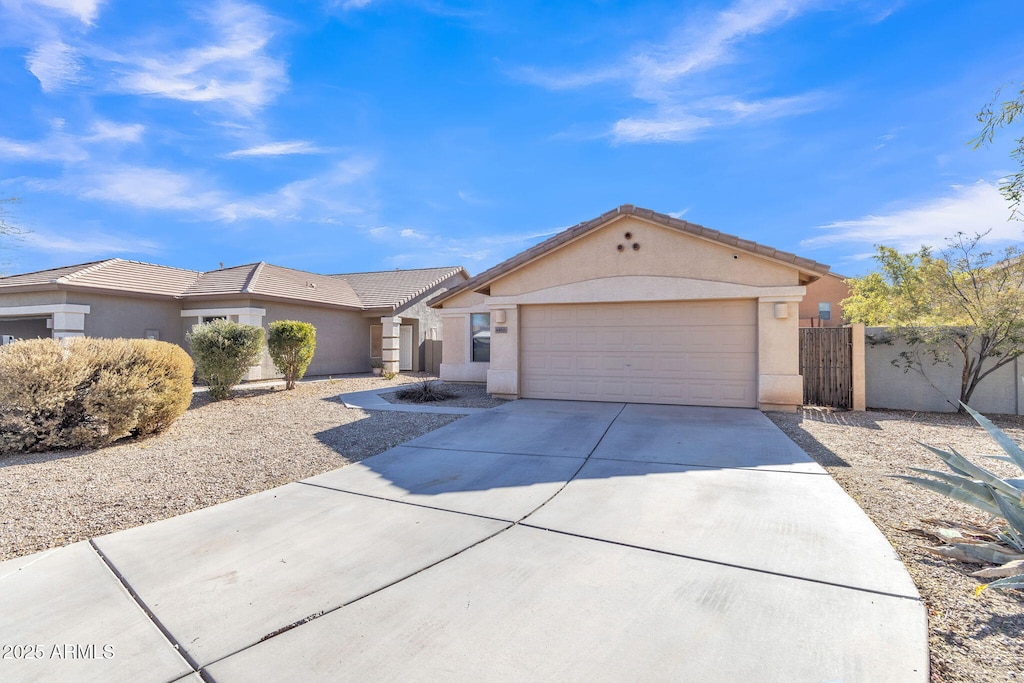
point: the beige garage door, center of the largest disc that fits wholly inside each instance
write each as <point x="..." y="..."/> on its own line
<point x="682" y="352"/>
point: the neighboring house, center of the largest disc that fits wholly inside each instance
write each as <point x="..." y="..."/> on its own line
<point x="117" y="298"/>
<point x="821" y="306"/>
<point x="634" y="306"/>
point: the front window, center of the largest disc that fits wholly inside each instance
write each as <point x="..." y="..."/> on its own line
<point x="480" y="336"/>
<point x="824" y="310"/>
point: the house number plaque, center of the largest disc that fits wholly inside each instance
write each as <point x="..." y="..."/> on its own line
<point x="500" y="330"/>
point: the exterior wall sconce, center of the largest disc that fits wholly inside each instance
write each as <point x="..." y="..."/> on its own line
<point x="781" y="311"/>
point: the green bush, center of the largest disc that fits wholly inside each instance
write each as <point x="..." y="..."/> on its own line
<point x="223" y="351"/>
<point x="291" y="344"/>
<point x="89" y="392"/>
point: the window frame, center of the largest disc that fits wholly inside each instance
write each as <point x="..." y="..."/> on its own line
<point x="473" y="346"/>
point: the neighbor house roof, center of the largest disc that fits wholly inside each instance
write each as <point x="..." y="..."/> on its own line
<point x="393" y="288"/>
<point x="482" y="281"/>
<point x="387" y="289"/>
<point x="264" y="279"/>
<point x="112" y="274"/>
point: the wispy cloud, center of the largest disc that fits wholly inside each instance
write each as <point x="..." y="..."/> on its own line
<point x="273" y="149"/>
<point x="234" y="68"/>
<point x="351" y="4"/>
<point x="430" y="248"/>
<point x="318" y="198"/>
<point x="88" y="243"/>
<point x="83" y="10"/>
<point x="658" y="75"/>
<point x="61" y="146"/>
<point x="149" y="188"/>
<point x="966" y="208"/>
<point x="55" y="64"/>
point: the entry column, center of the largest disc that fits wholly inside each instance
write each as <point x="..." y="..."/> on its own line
<point x="391" y="327"/>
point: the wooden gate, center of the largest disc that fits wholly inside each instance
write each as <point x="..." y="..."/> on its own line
<point x="826" y="362"/>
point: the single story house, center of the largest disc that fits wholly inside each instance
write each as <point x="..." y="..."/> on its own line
<point x="357" y="315"/>
<point x="634" y="306"/>
<point x="822" y="306"/>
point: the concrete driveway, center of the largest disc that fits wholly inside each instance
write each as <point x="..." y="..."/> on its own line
<point x="541" y="540"/>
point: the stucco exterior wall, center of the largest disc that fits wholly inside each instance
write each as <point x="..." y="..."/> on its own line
<point x="830" y="288"/>
<point x="457" y="365"/>
<point x="25" y="328"/>
<point x="111" y="317"/>
<point x="662" y="252"/>
<point x="937" y="389"/>
<point x="32" y="298"/>
<point x="342" y="337"/>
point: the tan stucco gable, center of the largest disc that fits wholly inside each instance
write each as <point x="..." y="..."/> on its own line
<point x="651" y="250"/>
<point x="589" y="285"/>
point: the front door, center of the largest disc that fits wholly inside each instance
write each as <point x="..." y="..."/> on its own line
<point x="405" y="347"/>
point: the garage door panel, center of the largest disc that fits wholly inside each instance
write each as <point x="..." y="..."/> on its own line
<point x="697" y="353"/>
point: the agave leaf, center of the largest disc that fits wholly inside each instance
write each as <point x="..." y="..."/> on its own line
<point x="977" y="553"/>
<point x="1011" y="510"/>
<point x="1012" y="538"/>
<point x="1004" y="458"/>
<point x="946" y="457"/>
<point x="1014" y="568"/>
<point x="1005" y="442"/>
<point x="954" y="492"/>
<point x="1008" y="582"/>
<point x="962" y="465"/>
<point x="973" y="487"/>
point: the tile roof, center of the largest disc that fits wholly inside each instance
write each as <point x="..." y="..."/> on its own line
<point x="481" y="280"/>
<point x="264" y="279"/>
<point x="276" y="281"/>
<point x="386" y="289"/>
<point x="394" y="288"/>
<point x="114" y="274"/>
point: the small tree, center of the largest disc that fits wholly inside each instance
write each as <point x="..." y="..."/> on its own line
<point x="291" y="344"/>
<point x="993" y="117"/>
<point x="962" y="300"/>
<point x="223" y="351"/>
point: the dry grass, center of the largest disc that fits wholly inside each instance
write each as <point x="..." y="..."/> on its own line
<point x="971" y="639"/>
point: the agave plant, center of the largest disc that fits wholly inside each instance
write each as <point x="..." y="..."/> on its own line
<point x="976" y="486"/>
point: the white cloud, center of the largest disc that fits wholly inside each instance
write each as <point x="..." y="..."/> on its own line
<point x="967" y="208"/>
<point x="271" y="149"/>
<point x="657" y="74"/>
<point x="103" y="131"/>
<point x="327" y="194"/>
<point x="410" y="234"/>
<point x="55" y="65"/>
<point x="88" y="243"/>
<point x="707" y="44"/>
<point x="680" y="127"/>
<point x="69" y="148"/>
<point x="352" y="4"/>
<point x="149" y="188"/>
<point x="235" y="68"/>
<point x="83" y="10"/>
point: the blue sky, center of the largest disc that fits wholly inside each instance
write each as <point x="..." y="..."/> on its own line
<point x="348" y="135"/>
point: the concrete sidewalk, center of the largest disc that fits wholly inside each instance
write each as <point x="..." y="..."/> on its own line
<point x="538" y="540"/>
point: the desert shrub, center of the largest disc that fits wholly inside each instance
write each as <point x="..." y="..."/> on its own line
<point x="425" y="392"/>
<point x="89" y="392"/>
<point x="223" y="351"/>
<point x="291" y="344"/>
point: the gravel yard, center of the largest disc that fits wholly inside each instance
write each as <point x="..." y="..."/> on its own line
<point x="261" y="438"/>
<point x="972" y="639"/>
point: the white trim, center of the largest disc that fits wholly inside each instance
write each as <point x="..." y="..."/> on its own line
<point x="204" y="312"/>
<point x="44" y="309"/>
<point x="626" y="288"/>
